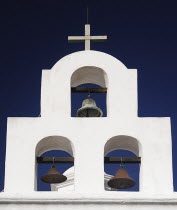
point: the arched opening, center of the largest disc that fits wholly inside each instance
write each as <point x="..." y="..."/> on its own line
<point x="122" y="152"/>
<point x="55" y="150"/>
<point x="89" y="82"/>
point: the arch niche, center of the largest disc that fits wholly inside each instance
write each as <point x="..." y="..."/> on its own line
<point x="123" y="144"/>
<point x="89" y="76"/>
<point x="52" y="143"/>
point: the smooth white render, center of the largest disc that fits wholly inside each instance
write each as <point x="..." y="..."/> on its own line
<point x="68" y="185"/>
<point x="88" y="139"/>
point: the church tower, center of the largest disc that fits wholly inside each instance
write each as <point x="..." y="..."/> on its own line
<point x="88" y="138"/>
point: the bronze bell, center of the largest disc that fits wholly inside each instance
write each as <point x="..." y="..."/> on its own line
<point x="121" y="180"/>
<point x="53" y="176"/>
<point x="89" y="109"/>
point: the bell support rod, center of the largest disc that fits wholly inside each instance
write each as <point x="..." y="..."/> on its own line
<point x="106" y="160"/>
<point x="57" y="159"/>
<point x="122" y="160"/>
<point x="88" y="90"/>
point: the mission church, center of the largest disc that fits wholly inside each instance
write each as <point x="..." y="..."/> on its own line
<point x="88" y="137"/>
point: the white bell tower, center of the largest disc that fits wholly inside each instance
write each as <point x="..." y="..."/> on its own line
<point x="148" y="138"/>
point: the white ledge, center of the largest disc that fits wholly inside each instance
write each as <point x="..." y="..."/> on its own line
<point x="107" y="197"/>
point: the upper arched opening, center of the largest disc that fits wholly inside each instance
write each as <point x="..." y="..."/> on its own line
<point x="91" y="81"/>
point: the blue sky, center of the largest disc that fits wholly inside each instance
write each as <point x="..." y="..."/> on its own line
<point x="142" y="34"/>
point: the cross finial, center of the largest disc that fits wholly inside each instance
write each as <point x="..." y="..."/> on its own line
<point x="87" y="38"/>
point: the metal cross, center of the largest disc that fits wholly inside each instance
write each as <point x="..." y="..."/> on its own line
<point x="87" y="38"/>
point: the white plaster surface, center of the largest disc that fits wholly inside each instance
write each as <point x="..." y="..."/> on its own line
<point x="67" y="201"/>
<point x="68" y="185"/>
<point x="148" y="137"/>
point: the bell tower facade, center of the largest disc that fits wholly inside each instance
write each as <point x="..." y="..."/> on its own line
<point x="88" y="140"/>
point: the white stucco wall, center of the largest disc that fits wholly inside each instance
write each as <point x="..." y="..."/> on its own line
<point x="87" y="137"/>
<point x="68" y="185"/>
